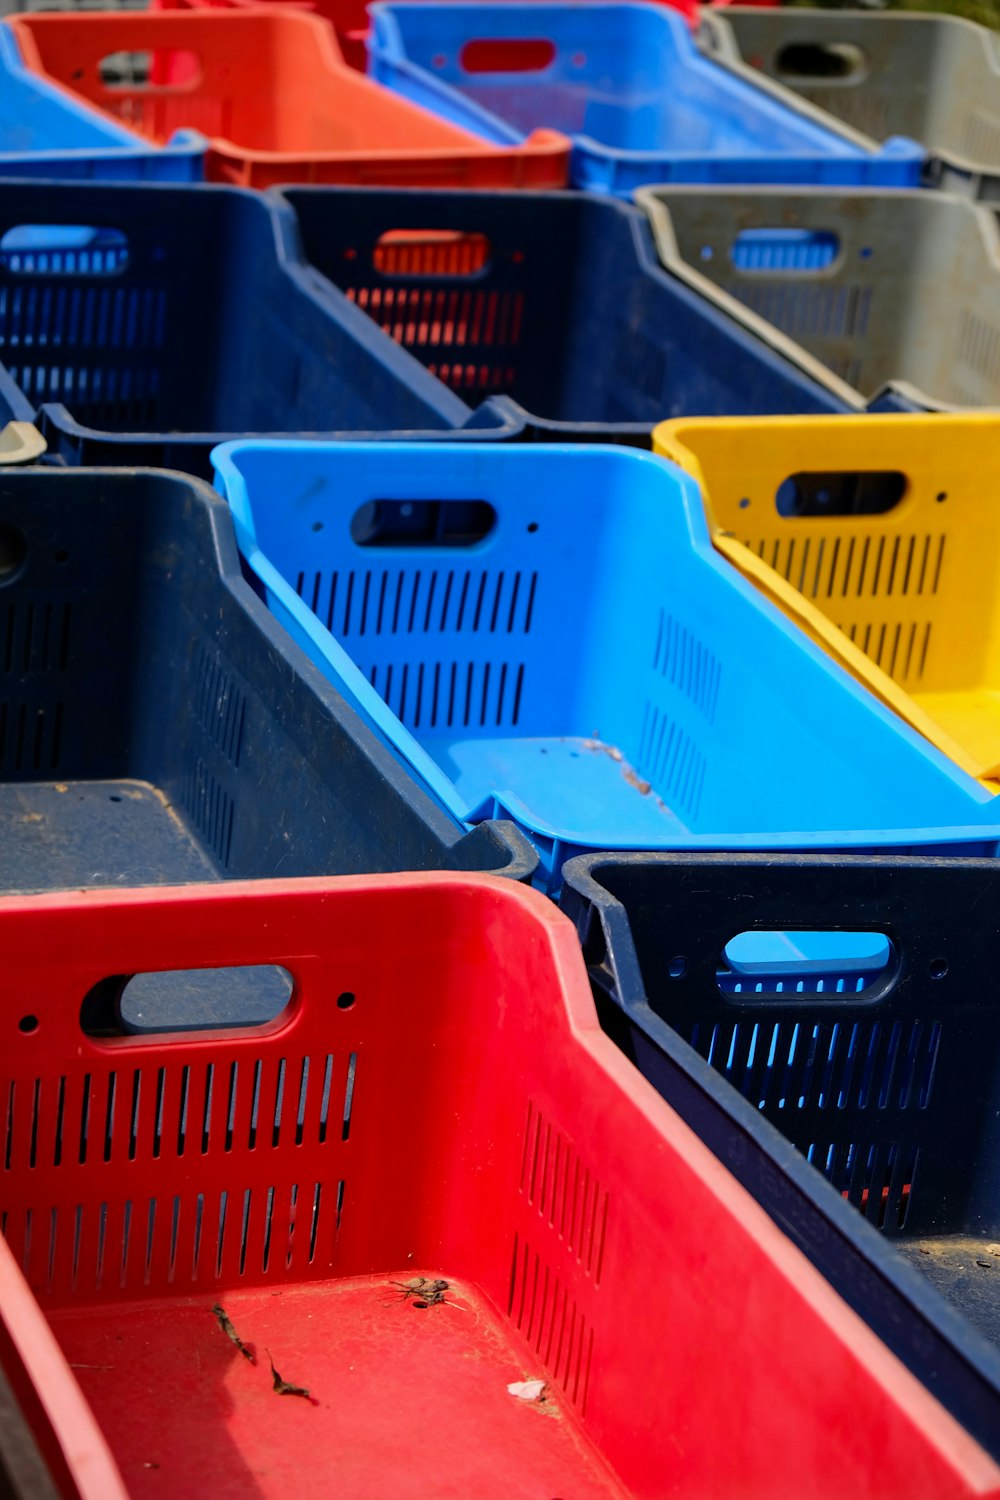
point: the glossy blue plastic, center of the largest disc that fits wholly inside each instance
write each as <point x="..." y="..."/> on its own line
<point x="47" y="132"/>
<point x="146" y="323"/>
<point x="630" y="86"/>
<point x="547" y="634"/>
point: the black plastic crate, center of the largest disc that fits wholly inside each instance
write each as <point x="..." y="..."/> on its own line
<point x="886" y="1079"/>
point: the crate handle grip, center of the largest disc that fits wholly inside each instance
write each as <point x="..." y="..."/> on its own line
<point x="168" y="1002"/>
<point x="63" y="250"/>
<point x="832" y="493"/>
<point x="829" y="62"/>
<point x="420" y="523"/>
<point x="775" y="250"/>
<point x="836" y="964"/>
<point x="505" y="55"/>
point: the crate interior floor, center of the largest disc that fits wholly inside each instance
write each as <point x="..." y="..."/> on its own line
<point x="404" y="1402"/>
<point x="64" y="834"/>
<point x="966" y="1272"/>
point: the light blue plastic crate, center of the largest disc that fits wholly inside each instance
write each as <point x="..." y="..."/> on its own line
<point x="546" y="633"/>
<point x="45" y="132"/>
<point x="629" y="85"/>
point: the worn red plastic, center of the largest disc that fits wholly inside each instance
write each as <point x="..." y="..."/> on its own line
<point x="270" y="90"/>
<point x="436" y="1101"/>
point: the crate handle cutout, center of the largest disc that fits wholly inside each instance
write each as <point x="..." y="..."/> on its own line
<point x="13" y="553"/>
<point x="165" y="70"/>
<point x="421" y="523"/>
<point x="867" y="492"/>
<point x="507" y="55"/>
<point x="831" y="61"/>
<point x="430" y="252"/>
<point x="779" y="251"/>
<point x="838" y="964"/>
<point x="166" y="1001"/>
<point x="63" y="250"/>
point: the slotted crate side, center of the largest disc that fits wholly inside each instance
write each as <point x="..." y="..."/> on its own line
<point x="874" y="536"/>
<point x="568" y="1186"/>
<point x="147" y="664"/>
<point x="807" y="270"/>
<point x="931" y="77"/>
<point x="863" y="1086"/>
<point x="629" y="84"/>
<point x="480" y="291"/>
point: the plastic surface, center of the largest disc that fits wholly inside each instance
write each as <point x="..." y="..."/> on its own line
<point x="349" y="18"/>
<point x="182" y="316"/>
<point x="435" y="1104"/>
<point x="157" y="727"/>
<point x="645" y="729"/>
<point x="629" y="84"/>
<point x="933" y="77"/>
<point x="45" y="133"/>
<point x="271" y="92"/>
<point x="889" y="1091"/>
<point x="554" y="301"/>
<point x="858" y="289"/>
<point x="903" y="597"/>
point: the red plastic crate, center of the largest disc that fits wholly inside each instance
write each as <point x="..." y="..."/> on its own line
<point x="270" y="90"/>
<point x="435" y="1101"/>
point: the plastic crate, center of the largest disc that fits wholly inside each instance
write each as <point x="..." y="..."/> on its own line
<point x="933" y="77"/>
<point x="888" y="1091"/>
<point x="44" y="133"/>
<point x="630" y="86"/>
<point x="546" y="633"/>
<point x="271" y="92"/>
<point x="873" y="534"/>
<point x="848" y="286"/>
<point x="156" y="727"/>
<point x="144" y="324"/>
<point x="436" y="1107"/>
<point x="555" y="302"/>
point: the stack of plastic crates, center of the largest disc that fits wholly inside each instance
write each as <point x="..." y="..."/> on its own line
<point x="583" y="519"/>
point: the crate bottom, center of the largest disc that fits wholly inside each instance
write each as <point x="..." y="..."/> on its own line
<point x="966" y="1271"/>
<point x="405" y="1402"/>
<point x="575" y="786"/>
<point x="60" y="834"/>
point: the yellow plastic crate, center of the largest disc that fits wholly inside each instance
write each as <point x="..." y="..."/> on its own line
<point x="880" y="536"/>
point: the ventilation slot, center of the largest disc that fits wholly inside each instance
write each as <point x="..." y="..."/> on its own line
<point x="30" y="738"/>
<point x="220" y="707"/>
<point x="687" y="665"/>
<point x="452" y="332"/>
<point x="877" y="1179"/>
<point x="809" y="313"/>
<point x="978" y="346"/>
<point x="671" y="762"/>
<point x="211" y="810"/>
<point x="449" y="695"/>
<point x="35" y="637"/>
<point x="421" y="601"/>
<point x="980" y="137"/>
<point x="783" y="1067"/>
<point x="564" y="1193"/>
<point x="542" y="1309"/>
<point x="82" y="317"/>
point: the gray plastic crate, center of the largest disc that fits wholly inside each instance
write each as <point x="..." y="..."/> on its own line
<point x="932" y="77"/>
<point x="858" y="289"/>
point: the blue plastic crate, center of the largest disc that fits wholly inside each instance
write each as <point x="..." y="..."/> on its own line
<point x="146" y="323"/>
<point x="554" y="302"/>
<point x="46" y="132"/>
<point x="546" y="633"/>
<point x="629" y="85"/>
<point x="865" y="1123"/>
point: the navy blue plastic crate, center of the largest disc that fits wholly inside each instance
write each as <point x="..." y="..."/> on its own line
<point x="147" y="323"/>
<point x="46" y="132"/>
<point x="546" y="633"/>
<point x="157" y="727"/>
<point x="556" y="302"/>
<point x="629" y="85"/>
<point x="862" y="1112"/>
